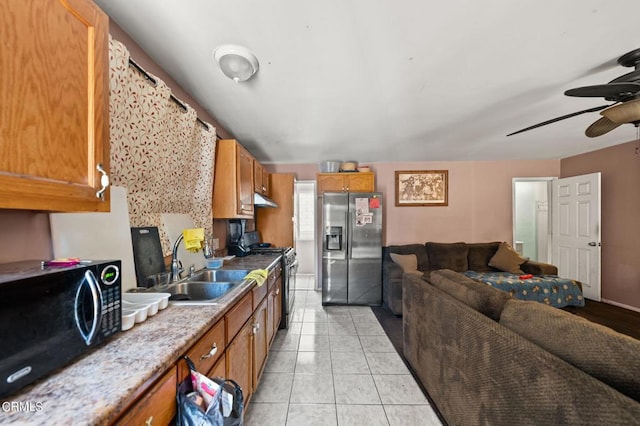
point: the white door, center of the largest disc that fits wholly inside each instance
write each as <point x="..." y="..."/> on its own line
<point x="576" y="231"/>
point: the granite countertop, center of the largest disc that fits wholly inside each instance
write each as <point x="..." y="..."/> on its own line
<point x="95" y="388"/>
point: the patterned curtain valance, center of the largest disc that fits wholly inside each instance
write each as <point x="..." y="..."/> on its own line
<point x="158" y="151"/>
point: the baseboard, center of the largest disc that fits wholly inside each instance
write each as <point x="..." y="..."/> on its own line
<point x="621" y="305"/>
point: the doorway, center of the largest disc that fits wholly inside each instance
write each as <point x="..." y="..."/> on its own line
<point x="305" y="219"/>
<point x="531" y="217"/>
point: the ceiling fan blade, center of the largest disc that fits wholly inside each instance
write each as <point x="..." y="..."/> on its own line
<point x="627" y="112"/>
<point x="553" y="120"/>
<point x="600" y="127"/>
<point x="611" y="91"/>
<point x="631" y="77"/>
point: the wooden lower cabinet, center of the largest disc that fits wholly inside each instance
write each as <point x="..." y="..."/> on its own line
<point x="260" y="341"/>
<point x="220" y="368"/>
<point x="235" y="347"/>
<point x="158" y="405"/>
<point x="239" y="357"/>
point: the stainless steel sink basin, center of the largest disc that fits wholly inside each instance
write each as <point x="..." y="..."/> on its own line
<point x="218" y="275"/>
<point x="199" y="290"/>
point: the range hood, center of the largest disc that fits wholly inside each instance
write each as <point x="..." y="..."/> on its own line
<point x="260" y="200"/>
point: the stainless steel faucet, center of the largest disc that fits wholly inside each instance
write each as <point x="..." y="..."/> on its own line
<point x="176" y="269"/>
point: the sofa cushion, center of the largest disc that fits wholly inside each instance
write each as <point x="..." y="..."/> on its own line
<point x="599" y="351"/>
<point x="417" y="249"/>
<point x="451" y="256"/>
<point x="481" y="297"/>
<point x="408" y="262"/>
<point x="480" y="254"/>
<point x="507" y="259"/>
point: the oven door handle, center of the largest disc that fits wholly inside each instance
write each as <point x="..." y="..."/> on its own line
<point x="96" y="301"/>
<point x="294" y="264"/>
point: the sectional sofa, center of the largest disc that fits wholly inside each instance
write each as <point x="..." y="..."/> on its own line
<point x="486" y="358"/>
<point x="431" y="256"/>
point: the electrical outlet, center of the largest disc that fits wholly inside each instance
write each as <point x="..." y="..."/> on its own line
<point x="216" y="243"/>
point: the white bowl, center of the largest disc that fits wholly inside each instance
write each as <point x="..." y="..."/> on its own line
<point x="145" y="309"/>
<point x="128" y="319"/>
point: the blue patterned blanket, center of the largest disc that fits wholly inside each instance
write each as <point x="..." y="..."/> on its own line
<point x="549" y="289"/>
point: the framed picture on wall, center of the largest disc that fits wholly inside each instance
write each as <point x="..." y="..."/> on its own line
<point x="422" y="188"/>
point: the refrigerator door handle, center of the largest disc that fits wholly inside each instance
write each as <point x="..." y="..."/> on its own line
<point x="347" y="226"/>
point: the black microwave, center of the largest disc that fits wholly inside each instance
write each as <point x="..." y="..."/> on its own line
<point x="51" y="315"/>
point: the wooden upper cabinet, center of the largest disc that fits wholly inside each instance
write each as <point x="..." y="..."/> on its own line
<point x="276" y="225"/>
<point x="346" y="182"/>
<point x="54" y="119"/>
<point x="233" y="184"/>
<point x="266" y="182"/>
<point x="257" y="177"/>
<point x="260" y="178"/>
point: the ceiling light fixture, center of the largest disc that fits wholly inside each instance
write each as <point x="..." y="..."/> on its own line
<point x="236" y="62"/>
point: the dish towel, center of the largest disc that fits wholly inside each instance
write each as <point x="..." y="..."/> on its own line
<point x="259" y="275"/>
<point x="193" y="239"/>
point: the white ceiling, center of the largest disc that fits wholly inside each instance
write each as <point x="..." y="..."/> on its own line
<point x="407" y="80"/>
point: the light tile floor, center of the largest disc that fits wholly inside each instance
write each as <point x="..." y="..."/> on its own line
<point x="335" y="365"/>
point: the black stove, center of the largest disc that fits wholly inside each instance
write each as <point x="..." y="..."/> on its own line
<point x="289" y="270"/>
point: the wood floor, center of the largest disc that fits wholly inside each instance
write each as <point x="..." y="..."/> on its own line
<point x="622" y="320"/>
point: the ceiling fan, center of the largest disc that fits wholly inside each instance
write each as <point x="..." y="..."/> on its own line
<point x="623" y="91"/>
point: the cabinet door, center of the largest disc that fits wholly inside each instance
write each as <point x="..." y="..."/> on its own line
<point x="260" y="342"/>
<point x="206" y="352"/>
<point x="157" y="406"/>
<point x="54" y="118"/>
<point x="239" y="359"/>
<point x="276" y="225"/>
<point x="330" y="182"/>
<point x="266" y="182"/>
<point x="257" y="176"/>
<point x="245" y="181"/>
<point x="219" y="369"/>
<point x="359" y="182"/>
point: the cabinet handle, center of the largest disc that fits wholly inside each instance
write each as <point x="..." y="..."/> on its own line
<point x="211" y="353"/>
<point x="255" y="326"/>
<point x="278" y="291"/>
<point x="149" y="421"/>
<point x="104" y="181"/>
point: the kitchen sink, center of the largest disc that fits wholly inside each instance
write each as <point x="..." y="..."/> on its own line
<point x="219" y="275"/>
<point x="198" y="290"/>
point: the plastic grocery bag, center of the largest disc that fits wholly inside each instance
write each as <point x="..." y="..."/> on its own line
<point x="203" y="401"/>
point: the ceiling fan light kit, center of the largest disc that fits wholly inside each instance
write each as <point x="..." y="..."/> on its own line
<point x="624" y="91"/>
<point x="236" y="62"/>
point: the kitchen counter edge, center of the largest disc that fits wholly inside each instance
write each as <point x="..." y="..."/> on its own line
<point x="98" y="387"/>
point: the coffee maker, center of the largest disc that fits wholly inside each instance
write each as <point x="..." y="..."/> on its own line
<point x="242" y="236"/>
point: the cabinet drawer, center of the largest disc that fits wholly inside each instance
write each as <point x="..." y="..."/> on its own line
<point x="206" y="351"/>
<point x="238" y="315"/>
<point x="157" y="406"/>
<point x="258" y="294"/>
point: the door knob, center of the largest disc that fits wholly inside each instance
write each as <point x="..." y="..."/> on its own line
<point x="594" y="244"/>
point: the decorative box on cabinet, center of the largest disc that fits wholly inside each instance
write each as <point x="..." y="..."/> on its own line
<point x="233" y="184"/>
<point x="346" y="182"/>
<point x="55" y="111"/>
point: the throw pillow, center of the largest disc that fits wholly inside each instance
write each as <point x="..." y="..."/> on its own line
<point x="507" y="259"/>
<point x="408" y="262"/>
<point x="448" y="256"/>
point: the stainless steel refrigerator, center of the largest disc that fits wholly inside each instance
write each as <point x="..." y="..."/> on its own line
<point x="351" y="248"/>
